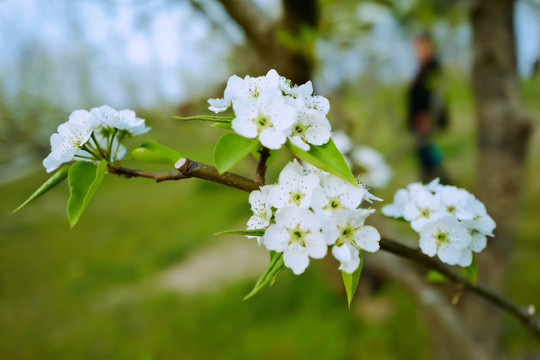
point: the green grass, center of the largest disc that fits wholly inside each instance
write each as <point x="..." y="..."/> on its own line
<point x="56" y="284"/>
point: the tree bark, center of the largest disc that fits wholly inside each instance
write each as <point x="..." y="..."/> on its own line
<point x="284" y="45"/>
<point x="503" y="129"/>
<point x="300" y="19"/>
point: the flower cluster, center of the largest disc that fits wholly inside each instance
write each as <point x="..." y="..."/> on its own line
<point x="368" y="164"/>
<point x="309" y="210"/>
<point x="451" y="222"/>
<point x="93" y="135"/>
<point x="270" y="108"/>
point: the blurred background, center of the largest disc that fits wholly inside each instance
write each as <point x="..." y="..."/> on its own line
<point x="142" y="277"/>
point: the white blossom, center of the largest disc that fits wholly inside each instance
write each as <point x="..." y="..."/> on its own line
<point x="296" y="233"/>
<point x="352" y="237"/>
<point x="455" y="201"/>
<point x="336" y="194"/>
<point x="267" y="116"/>
<point x="122" y="120"/>
<point x="270" y="108"/>
<point x="86" y="136"/>
<point x="433" y="209"/>
<point x="395" y="210"/>
<point x="311" y="127"/>
<point x="342" y="141"/>
<point x="304" y="93"/>
<point x="71" y="137"/>
<point x="448" y="239"/>
<point x="374" y="171"/>
<point x="84" y="118"/>
<point x="423" y="207"/>
<point x="261" y="208"/>
<point x="482" y="222"/>
<point x="295" y="187"/>
<point x="247" y="88"/>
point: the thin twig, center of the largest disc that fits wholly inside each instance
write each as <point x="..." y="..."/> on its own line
<point x="188" y="168"/>
<point x="260" y="173"/>
<point x="523" y="313"/>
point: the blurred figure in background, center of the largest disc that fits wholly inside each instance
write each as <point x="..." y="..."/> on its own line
<point x="536" y="69"/>
<point x="427" y="110"/>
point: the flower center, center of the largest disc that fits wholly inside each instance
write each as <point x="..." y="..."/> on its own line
<point x="441" y="237"/>
<point x="298" y="235"/>
<point x="299" y="129"/>
<point x="346" y="235"/>
<point x="425" y="212"/>
<point x="262" y="122"/>
<point x="296" y="197"/>
<point x="333" y="203"/>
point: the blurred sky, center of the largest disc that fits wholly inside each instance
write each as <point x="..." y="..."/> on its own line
<point x="80" y="53"/>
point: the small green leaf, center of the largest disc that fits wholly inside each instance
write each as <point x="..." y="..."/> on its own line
<point x="252" y="232"/>
<point x="51" y="182"/>
<point x="326" y="157"/>
<point x="212" y="118"/>
<point x="153" y="152"/>
<point x="269" y="275"/>
<point x="84" y="179"/>
<point x="223" y="125"/>
<point x="471" y="271"/>
<point x="351" y="281"/>
<point x="435" y="277"/>
<point x="230" y="149"/>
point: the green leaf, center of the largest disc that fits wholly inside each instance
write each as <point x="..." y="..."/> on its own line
<point x="269" y="275"/>
<point x="251" y="232"/>
<point x="471" y="271"/>
<point x="212" y="118"/>
<point x="230" y="149"/>
<point x="153" y="152"/>
<point x="84" y="179"/>
<point x="351" y="281"/>
<point x="326" y="157"/>
<point x="435" y="277"/>
<point x="51" y="182"/>
<point x="223" y="125"/>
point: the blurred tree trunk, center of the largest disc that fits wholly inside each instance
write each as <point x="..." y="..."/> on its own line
<point x="295" y="39"/>
<point x="286" y="45"/>
<point x="503" y="132"/>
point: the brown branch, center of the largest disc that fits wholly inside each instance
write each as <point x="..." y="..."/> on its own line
<point x="187" y="169"/>
<point x="260" y="173"/>
<point x="524" y="313"/>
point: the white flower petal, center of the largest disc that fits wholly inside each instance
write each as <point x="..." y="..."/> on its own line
<point x="367" y="238"/>
<point x="449" y="254"/>
<point x="272" y="139"/>
<point x="276" y="238"/>
<point x="218" y="105"/>
<point x="342" y="253"/>
<point x="296" y="258"/>
<point x="428" y="245"/>
<point x="478" y="243"/>
<point x="316" y="245"/>
<point x="466" y="258"/>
